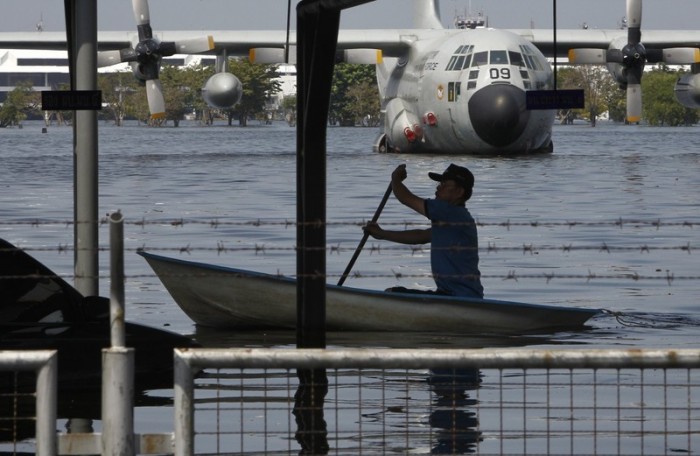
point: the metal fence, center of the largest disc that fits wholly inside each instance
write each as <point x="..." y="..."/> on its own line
<point x="426" y="401"/>
<point x="390" y="401"/>
<point x="29" y="403"/>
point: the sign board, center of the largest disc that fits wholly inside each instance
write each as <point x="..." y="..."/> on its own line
<point x="554" y="99"/>
<point x="71" y="100"/>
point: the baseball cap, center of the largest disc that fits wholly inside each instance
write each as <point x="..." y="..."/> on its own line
<point x="461" y="175"/>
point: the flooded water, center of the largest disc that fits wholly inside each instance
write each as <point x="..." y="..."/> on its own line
<point x="610" y="220"/>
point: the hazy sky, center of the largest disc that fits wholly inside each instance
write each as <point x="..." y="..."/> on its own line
<point x="23" y="15"/>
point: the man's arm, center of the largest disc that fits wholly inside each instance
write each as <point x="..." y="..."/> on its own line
<point x="403" y="194"/>
<point x="417" y="236"/>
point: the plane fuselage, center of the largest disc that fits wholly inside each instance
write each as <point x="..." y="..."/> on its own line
<point x="463" y="92"/>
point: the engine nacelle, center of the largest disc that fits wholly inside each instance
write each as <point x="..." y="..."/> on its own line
<point x="137" y="68"/>
<point x="403" y="127"/>
<point x="273" y="55"/>
<point x="687" y="90"/>
<point x="362" y="56"/>
<point x="223" y="90"/>
<point x="617" y="71"/>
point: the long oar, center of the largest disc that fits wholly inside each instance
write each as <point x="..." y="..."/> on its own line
<point x="387" y="194"/>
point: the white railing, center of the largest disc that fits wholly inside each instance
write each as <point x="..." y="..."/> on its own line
<point x="563" y="401"/>
<point x="667" y="426"/>
<point x="45" y="364"/>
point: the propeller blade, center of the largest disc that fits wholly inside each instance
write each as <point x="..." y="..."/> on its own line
<point x="195" y="45"/>
<point x="634" y="21"/>
<point x="141" y="13"/>
<point x="156" y="102"/>
<point x="108" y="58"/>
<point x="587" y="56"/>
<point x="679" y="56"/>
<point x="615" y="56"/>
<point x="634" y="103"/>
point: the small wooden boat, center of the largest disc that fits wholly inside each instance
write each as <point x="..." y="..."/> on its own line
<point x="226" y="297"/>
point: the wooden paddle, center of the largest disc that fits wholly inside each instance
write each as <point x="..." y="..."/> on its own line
<point x="364" y="237"/>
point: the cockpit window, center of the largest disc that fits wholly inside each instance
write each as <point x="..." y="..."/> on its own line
<point x="461" y="58"/>
<point x="516" y="58"/>
<point x="499" y="58"/>
<point x="480" y="58"/>
<point x="530" y="57"/>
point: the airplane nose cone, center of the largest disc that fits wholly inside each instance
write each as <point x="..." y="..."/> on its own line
<point x="498" y="114"/>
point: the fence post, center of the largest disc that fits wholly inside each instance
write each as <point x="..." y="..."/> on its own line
<point x="183" y="406"/>
<point x="46" y="392"/>
<point x="117" y="361"/>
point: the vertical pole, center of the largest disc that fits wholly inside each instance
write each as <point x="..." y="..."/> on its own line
<point x="46" y="394"/>
<point x="554" y="43"/>
<point x="317" y="34"/>
<point x="85" y="150"/>
<point x="184" y="406"/>
<point x="116" y="302"/>
<point x="318" y="22"/>
<point x="118" y="402"/>
<point x="117" y="361"/>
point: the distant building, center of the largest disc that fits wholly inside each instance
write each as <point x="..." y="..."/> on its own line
<point x="47" y="70"/>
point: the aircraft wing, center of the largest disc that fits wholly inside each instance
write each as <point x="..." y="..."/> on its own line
<point x="595" y="38"/>
<point x="391" y="42"/>
<point x="56" y="41"/>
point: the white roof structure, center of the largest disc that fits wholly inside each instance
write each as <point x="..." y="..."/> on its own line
<point x="46" y="70"/>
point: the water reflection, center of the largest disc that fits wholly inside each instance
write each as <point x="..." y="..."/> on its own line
<point x="378" y="397"/>
<point x="312" y="431"/>
<point x="78" y="406"/>
<point x="455" y="425"/>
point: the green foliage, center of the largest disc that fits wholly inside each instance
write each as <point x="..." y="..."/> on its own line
<point x="182" y="90"/>
<point x="362" y="103"/>
<point x="354" y="94"/>
<point x="597" y="85"/>
<point x="289" y="106"/>
<point x="617" y="104"/>
<point x="20" y="101"/>
<point x="602" y="93"/>
<point x="259" y="84"/>
<point x="659" y="104"/>
<point x="122" y="96"/>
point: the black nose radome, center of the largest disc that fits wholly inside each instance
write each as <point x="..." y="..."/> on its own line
<point x="498" y="114"/>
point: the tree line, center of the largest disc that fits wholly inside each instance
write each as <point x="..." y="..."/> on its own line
<point x="602" y="94"/>
<point x="354" y="96"/>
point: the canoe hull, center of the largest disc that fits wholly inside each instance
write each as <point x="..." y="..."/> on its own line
<point x="238" y="299"/>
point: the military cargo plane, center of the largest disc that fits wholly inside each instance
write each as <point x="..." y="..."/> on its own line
<point x="460" y="90"/>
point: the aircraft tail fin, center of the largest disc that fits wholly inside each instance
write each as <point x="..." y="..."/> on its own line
<point x="426" y="14"/>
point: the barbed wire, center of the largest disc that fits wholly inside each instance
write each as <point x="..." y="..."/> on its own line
<point x="287" y="223"/>
<point x="668" y="276"/>
<point x="490" y="248"/>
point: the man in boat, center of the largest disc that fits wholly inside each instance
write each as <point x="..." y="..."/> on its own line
<point x="454" y="252"/>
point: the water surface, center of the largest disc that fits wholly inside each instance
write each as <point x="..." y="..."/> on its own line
<point x="609" y="220"/>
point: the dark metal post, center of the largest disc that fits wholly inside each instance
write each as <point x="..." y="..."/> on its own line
<point x="84" y="67"/>
<point x="554" y="40"/>
<point x="318" y="22"/>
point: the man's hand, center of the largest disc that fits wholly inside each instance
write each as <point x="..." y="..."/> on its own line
<point x="399" y="174"/>
<point x="402" y="193"/>
<point x="373" y="229"/>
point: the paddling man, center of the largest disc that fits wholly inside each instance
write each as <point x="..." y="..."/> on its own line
<point x="454" y="254"/>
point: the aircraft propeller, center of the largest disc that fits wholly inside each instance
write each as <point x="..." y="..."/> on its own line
<point x="632" y="58"/>
<point x="146" y="56"/>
